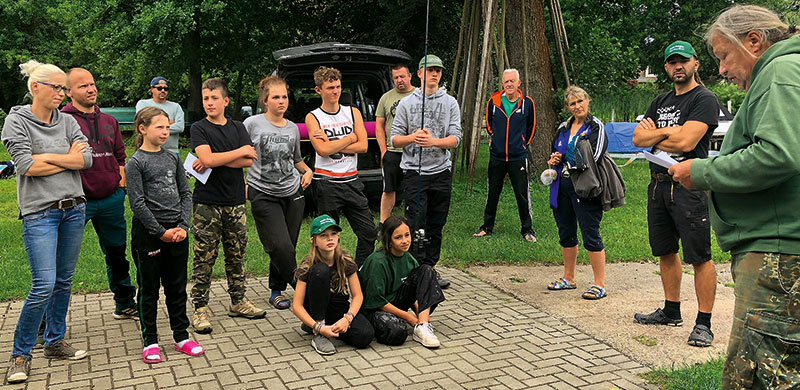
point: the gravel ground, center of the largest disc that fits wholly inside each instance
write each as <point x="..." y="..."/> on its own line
<point x="632" y="287"/>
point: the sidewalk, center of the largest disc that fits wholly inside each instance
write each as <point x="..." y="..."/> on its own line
<point x="489" y="340"/>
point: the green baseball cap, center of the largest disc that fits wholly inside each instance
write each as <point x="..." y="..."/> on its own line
<point x="433" y="61"/>
<point x="322" y="223"/>
<point x="682" y="48"/>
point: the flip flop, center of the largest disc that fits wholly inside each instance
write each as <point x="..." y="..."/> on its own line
<point x="481" y="233"/>
<point x="530" y="237"/>
<point x="280" y="302"/>
<point x="152" y="351"/>
<point x="188" y="347"/>
<point x="561" y="284"/>
<point x="594" y="293"/>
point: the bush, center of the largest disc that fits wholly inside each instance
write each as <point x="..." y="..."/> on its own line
<point x="3" y="116"/>
<point x="624" y="101"/>
<point x="727" y="91"/>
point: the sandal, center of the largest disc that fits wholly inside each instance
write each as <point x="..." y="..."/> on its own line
<point x="529" y="236"/>
<point x="280" y="302"/>
<point x="595" y="292"/>
<point x="188" y="346"/>
<point x="482" y="233"/>
<point x="561" y="284"/>
<point x="152" y="351"/>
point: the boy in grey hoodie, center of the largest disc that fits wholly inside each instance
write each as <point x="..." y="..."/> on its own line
<point x="431" y="174"/>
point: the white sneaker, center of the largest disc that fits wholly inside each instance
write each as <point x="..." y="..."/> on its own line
<point x="423" y="333"/>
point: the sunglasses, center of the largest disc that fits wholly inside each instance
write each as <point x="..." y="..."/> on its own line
<point x="160" y="88"/>
<point x="56" y="88"/>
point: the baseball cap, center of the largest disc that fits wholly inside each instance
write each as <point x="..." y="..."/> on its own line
<point x="156" y="80"/>
<point x="323" y="222"/>
<point x="433" y="61"/>
<point x="682" y="48"/>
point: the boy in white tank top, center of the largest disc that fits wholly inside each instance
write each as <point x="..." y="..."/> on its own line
<point x="337" y="134"/>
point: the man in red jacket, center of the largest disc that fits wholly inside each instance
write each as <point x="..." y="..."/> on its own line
<point x="510" y="121"/>
<point x="104" y="186"/>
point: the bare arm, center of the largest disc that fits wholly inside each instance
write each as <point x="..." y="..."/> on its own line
<point x="405" y="315"/>
<point x="646" y="134"/>
<point x="380" y="133"/>
<point x="685" y="139"/>
<point x="212" y="160"/>
<point x="360" y="146"/>
<point x="122" y="181"/>
<point x="325" y="147"/>
<point x="307" y="173"/>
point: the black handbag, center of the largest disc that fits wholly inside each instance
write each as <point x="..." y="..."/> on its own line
<point x="584" y="176"/>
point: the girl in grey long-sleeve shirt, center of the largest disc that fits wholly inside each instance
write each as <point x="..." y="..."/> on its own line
<point x="161" y="201"/>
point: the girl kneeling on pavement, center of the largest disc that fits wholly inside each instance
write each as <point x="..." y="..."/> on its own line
<point x="320" y="301"/>
<point x="394" y="282"/>
<point x="161" y="202"/>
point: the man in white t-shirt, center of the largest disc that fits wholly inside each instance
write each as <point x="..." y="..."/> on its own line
<point x="159" y="88"/>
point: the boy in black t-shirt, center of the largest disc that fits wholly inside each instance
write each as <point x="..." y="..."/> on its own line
<point x="680" y="122"/>
<point x="222" y="145"/>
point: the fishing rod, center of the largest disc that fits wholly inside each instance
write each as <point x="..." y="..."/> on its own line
<point x="419" y="234"/>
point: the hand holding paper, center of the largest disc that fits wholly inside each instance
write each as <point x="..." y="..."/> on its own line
<point x="661" y="158"/>
<point x="188" y="165"/>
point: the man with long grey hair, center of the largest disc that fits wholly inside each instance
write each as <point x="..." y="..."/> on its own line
<point x="754" y="195"/>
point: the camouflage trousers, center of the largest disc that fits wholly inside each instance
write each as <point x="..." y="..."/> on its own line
<point x="212" y="224"/>
<point x="764" y="349"/>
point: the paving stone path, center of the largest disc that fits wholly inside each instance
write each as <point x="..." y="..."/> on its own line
<point x="489" y="341"/>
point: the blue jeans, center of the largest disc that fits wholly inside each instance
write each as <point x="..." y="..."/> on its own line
<point x="53" y="241"/>
<point x="108" y="218"/>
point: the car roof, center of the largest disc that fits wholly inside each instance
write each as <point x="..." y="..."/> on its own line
<point x="331" y="53"/>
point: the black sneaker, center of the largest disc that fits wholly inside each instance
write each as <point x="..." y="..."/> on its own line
<point x="657" y="318"/>
<point x="701" y="336"/>
<point x="128" y="313"/>
<point x="19" y="369"/>
<point x="443" y="283"/>
<point x="307" y="329"/>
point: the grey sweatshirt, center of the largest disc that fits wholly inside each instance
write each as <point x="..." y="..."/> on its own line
<point x="158" y="190"/>
<point x="24" y="135"/>
<point x="442" y="119"/>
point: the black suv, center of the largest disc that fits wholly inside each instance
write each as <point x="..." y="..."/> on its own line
<point x="366" y="76"/>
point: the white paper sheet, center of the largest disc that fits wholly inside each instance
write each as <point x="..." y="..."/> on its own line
<point x="187" y="165"/>
<point x="660" y="158"/>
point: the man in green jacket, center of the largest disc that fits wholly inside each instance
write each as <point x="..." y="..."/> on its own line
<point x="754" y="195"/>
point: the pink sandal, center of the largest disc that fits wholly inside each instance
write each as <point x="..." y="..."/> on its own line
<point x="188" y="347"/>
<point x="152" y="351"/>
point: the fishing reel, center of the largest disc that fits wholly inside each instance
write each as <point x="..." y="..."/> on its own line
<point x="419" y="239"/>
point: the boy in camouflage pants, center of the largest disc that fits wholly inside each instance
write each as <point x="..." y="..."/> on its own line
<point x="222" y="145"/>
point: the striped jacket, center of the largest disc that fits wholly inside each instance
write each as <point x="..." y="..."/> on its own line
<point x="510" y="135"/>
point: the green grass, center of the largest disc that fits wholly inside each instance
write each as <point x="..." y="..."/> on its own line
<point x="624" y="232"/>
<point x="706" y="376"/>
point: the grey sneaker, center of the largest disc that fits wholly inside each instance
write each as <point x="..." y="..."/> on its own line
<point x="322" y="345"/>
<point x="701" y="336"/>
<point x="657" y="318"/>
<point x="63" y="350"/>
<point x="128" y="313"/>
<point x="19" y="369"/>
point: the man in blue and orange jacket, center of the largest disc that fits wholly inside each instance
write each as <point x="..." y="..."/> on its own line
<point x="511" y="121"/>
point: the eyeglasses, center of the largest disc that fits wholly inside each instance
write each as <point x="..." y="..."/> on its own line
<point x="160" y="88"/>
<point x="56" y="88"/>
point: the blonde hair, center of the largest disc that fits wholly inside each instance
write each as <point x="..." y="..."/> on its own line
<point x="144" y="118"/>
<point x="37" y="71"/>
<point x="263" y="88"/>
<point x="324" y="73"/>
<point x="735" y="22"/>
<point x="574" y="91"/>
<point x="341" y="259"/>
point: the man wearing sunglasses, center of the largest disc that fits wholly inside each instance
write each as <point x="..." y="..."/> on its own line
<point x="159" y="88"/>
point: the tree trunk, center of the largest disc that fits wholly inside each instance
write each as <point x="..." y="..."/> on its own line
<point x="540" y="75"/>
<point x="237" y="96"/>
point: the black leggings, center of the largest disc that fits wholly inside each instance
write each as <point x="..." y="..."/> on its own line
<point x="278" y="224"/>
<point x="159" y="263"/>
<point x="319" y="305"/>
<point x="420" y="286"/>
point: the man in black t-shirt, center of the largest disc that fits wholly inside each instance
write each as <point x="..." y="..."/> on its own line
<point x="680" y="122"/>
<point x="222" y="145"/>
